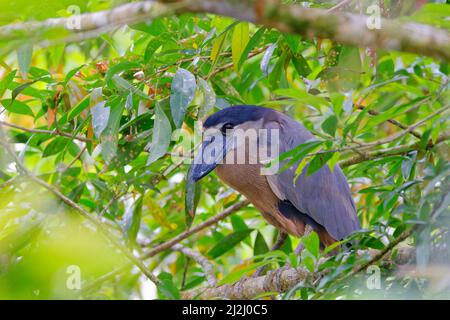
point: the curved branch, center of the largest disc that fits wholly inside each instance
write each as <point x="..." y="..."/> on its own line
<point x="170" y="243"/>
<point x="207" y="266"/>
<point x="346" y="28"/>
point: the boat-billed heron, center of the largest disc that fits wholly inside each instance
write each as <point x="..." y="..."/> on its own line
<point x="287" y="200"/>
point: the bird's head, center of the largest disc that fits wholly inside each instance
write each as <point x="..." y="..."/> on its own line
<point x="221" y="135"/>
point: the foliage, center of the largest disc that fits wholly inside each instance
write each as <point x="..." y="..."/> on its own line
<point x="106" y="108"/>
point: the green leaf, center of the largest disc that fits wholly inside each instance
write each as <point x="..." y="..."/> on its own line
<point x="100" y="117"/>
<point x="99" y="111"/>
<point x="301" y="65"/>
<point x="303" y="97"/>
<point x="161" y="136"/>
<point x="312" y="243"/>
<point x="24" y="55"/>
<point x="17" y="90"/>
<point x="330" y="125"/>
<point x="277" y="77"/>
<point x="217" y="47"/>
<point x="265" y="61"/>
<point x="152" y="47"/>
<point x="260" y="246"/>
<point x="238" y="223"/>
<point x="299" y="152"/>
<point x="17" y="238"/>
<point x="125" y="86"/>
<point x="293" y="41"/>
<point x="17" y="106"/>
<point x="209" y="98"/>
<point x="308" y="262"/>
<point x="109" y="135"/>
<point x="318" y="162"/>
<point x="192" y="196"/>
<point x="118" y="68"/>
<point x="167" y="287"/>
<point x="182" y="93"/>
<point x="252" y="43"/>
<point x="129" y="151"/>
<point x="228" y="243"/>
<point x="372" y="242"/>
<point x="71" y="73"/>
<point x="6" y="82"/>
<point x="352" y="127"/>
<point x="55" y="146"/>
<point x="239" y="42"/>
<point x="75" y="111"/>
<point x="333" y="161"/>
<point x="131" y="221"/>
<point x="433" y="13"/>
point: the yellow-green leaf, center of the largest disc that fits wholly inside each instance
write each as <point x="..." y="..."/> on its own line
<point x="239" y="42"/>
<point x="217" y="47"/>
<point x="333" y="160"/>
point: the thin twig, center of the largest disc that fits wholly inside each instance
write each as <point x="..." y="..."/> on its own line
<point x="49" y="132"/>
<point x="339" y="5"/>
<point x="394" y="122"/>
<point x="231" y="64"/>
<point x="170" y="243"/>
<point x="78" y="157"/>
<point x="207" y="266"/>
<point x="387" y="139"/>
<point x="396" y="150"/>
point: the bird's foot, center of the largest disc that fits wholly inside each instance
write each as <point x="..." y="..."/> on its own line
<point x="273" y="278"/>
<point x="259" y="272"/>
<point x="239" y="285"/>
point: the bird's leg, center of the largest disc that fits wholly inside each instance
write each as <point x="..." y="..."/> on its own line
<point x="308" y="230"/>
<point x="280" y="241"/>
<point x="277" y="245"/>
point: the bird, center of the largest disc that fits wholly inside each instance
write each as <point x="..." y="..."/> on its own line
<point x="293" y="203"/>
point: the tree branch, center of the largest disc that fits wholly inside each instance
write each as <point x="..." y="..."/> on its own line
<point x="170" y="243"/>
<point x="391" y="138"/>
<point x="394" y="122"/>
<point x="49" y="132"/>
<point x="343" y="27"/>
<point x="207" y="266"/>
<point x="397" y="150"/>
<point x="276" y="281"/>
<point x="282" y="280"/>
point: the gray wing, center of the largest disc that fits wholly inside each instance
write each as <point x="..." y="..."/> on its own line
<point x="324" y="196"/>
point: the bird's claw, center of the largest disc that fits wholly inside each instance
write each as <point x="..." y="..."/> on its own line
<point x="259" y="272"/>
<point x="239" y="285"/>
<point x="274" y="276"/>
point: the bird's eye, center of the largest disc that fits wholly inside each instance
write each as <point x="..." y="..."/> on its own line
<point x="225" y="127"/>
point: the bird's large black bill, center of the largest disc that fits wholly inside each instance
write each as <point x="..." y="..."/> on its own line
<point x="209" y="156"/>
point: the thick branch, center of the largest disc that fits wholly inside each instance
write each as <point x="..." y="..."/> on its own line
<point x="346" y="28"/>
<point x="279" y="280"/>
